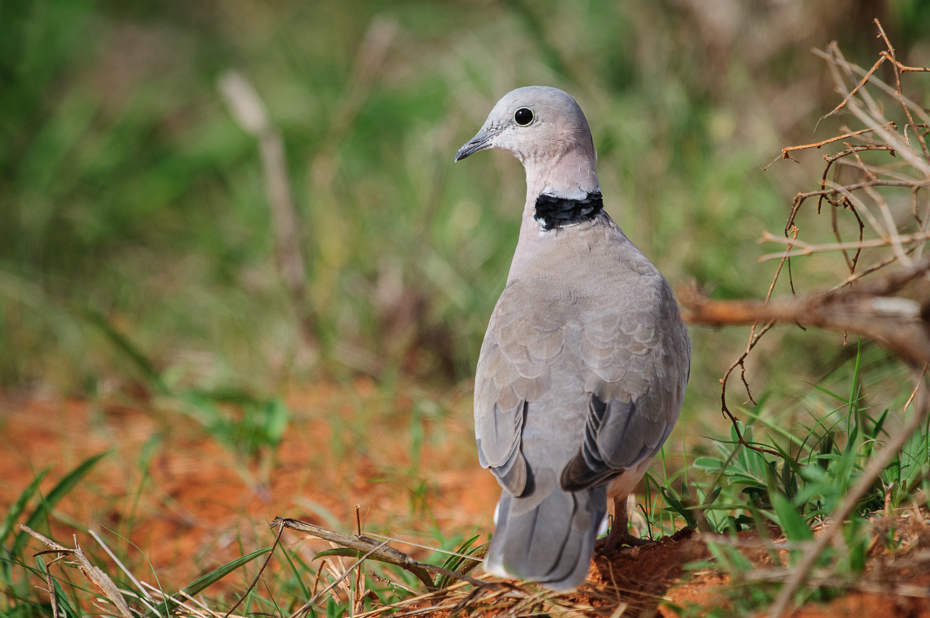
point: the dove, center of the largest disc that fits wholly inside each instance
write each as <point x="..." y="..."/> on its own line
<point x="584" y="365"/>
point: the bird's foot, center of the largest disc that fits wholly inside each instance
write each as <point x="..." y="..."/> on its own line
<point x="618" y="538"/>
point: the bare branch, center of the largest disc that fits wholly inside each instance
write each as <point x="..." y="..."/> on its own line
<point x="868" y="310"/>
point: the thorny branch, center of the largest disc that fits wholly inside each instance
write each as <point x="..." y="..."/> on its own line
<point x="894" y="309"/>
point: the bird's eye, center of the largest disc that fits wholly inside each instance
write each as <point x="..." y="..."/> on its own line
<point x="523" y="116"/>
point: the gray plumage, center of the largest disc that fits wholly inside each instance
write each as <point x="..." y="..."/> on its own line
<point x="584" y="365"/>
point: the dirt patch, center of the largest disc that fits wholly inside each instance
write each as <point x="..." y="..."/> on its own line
<point x="861" y="605"/>
<point x="643" y="575"/>
<point x="172" y="495"/>
<point x="193" y="504"/>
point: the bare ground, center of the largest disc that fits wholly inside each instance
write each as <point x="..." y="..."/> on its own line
<point x="196" y="505"/>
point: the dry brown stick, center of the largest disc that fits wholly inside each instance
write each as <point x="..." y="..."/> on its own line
<point x="855" y="90"/>
<point x="96" y="576"/>
<point x="892" y="324"/>
<point x="890" y="225"/>
<point x="851" y="150"/>
<point x="869" y="270"/>
<point x="384" y="553"/>
<point x="853" y="69"/>
<point x="871" y="472"/>
<point x="809" y="249"/>
<point x="914" y="213"/>
<point x="247" y="108"/>
<point x="906" y="69"/>
<point x="890" y="55"/>
<point x="784" y="151"/>
<point x="754" y="338"/>
<point x="800" y="198"/>
<point x="740" y="362"/>
<point x="887" y="172"/>
<point x="873" y="117"/>
<point x="891" y="321"/>
<point x="362" y="558"/>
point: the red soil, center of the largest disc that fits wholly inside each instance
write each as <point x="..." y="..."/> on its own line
<point x="201" y="506"/>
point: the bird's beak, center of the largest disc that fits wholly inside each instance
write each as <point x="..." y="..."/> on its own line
<point x="478" y="142"/>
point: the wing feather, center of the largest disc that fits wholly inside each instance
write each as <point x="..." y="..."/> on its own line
<point x="513" y="370"/>
<point x="643" y="362"/>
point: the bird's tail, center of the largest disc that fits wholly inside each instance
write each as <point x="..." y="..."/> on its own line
<point x="551" y="542"/>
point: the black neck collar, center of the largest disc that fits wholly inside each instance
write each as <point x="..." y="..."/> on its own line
<point x="554" y="212"/>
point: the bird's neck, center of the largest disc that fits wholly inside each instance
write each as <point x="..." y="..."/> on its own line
<point x="571" y="175"/>
<point x="561" y="191"/>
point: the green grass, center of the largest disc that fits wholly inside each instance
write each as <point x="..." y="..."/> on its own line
<point x="130" y="193"/>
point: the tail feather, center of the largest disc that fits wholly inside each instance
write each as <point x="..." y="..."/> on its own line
<point x="551" y="543"/>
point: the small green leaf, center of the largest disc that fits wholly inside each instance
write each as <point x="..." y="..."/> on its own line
<point x="791" y="522"/>
<point x="678" y="507"/>
<point x="707" y="463"/>
<point x="196" y="586"/>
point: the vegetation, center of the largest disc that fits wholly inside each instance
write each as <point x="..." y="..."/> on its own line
<point x="138" y="263"/>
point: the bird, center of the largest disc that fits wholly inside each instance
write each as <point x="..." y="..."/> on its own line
<point x="583" y="369"/>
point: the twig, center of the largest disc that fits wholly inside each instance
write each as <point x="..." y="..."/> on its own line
<point x="740" y="362"/>
<point x="247" y="108"/>
<point x="258" y="575"/>
<point x="120" y="564"/>
<point x="358" y="562"/>
<point x="871" y="472"/>
<point x="784" y="151"/>
<point x="384" y="552"/>
<point x="809" y="249"/>
<point x="890" y="55"/>
<point x="872" y="118"/>
<point x="865" y="310"/>
<point x="96" y="576"/>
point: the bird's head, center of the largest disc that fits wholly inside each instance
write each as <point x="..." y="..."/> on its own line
<point x="534" y="123"/>
<point x="546" y="129"/>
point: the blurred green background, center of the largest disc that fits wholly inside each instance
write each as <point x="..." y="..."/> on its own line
<point x="133" y="204"/>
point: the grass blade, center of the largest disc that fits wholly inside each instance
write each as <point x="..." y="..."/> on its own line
<point x="58" y="492"/>
<point x="124" y="345"/>
<point x="198" y="585"/>
<point x="793" y="525"/>
<point x="20" y="505"/>
<point x="346" y="552"/>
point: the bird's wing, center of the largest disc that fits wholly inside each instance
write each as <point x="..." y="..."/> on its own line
<point x="639" y="358"/>
<point x="522" y="342"/>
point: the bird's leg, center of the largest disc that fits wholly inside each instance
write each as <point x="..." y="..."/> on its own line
<point x="619" y="532"/>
